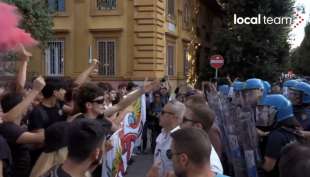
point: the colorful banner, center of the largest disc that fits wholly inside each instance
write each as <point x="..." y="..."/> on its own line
<point x="125" y="139"/>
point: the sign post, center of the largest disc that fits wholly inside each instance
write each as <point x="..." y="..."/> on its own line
<point x="216" y="62"/>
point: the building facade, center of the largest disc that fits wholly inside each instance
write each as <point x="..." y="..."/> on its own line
<point x="132" y="39"/>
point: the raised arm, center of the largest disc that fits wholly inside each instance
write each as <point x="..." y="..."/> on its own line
<point x="131" y="97"/>
<point x="15" y="114"/>
<point x="84" y="75"/>
<point x="22" y="71"/>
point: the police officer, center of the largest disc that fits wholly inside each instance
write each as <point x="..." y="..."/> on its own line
<point x="284" y="128"/>
<point x="299" y="94"/>
<point x="253" y="91"/>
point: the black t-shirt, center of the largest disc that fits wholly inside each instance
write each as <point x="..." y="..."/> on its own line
<point x="20" y="152"/>
<point x="5" y="157"/>
<point x="106" y="124"/>
<point x="56" y="171"/>
<point x="277" y="140"/>
<point x="42" y="117"/>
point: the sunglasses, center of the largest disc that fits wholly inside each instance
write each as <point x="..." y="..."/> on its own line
<point x="98" y="101"/>
<point x="170" y="154"/>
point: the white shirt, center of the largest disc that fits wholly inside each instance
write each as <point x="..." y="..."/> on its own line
<point x="163" y="143"/>
<point x="215" y="162"/>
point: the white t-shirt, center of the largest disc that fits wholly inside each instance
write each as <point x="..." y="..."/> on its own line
<point x="215" y="162"/>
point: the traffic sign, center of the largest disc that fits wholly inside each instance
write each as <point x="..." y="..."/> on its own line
<point x="216" y="61"/>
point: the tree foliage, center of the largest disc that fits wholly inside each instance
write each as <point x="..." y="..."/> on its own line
<point x="300" y="58"/>
<point x="259" y="50"/>
<point x="36" y="19"/>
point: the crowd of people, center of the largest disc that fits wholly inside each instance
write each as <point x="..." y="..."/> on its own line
<point x="57" y="127"/>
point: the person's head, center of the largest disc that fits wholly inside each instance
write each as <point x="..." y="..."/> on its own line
<point x="131" y="86"/>
<point x="86" y="140"/>
<point x="10" y="100"/>
<point x="196" y="99"/>
<point x="300" y="93"/>
<point x="295" y="160"/>
<point x="294" y="96"/>
<point x="277" y="110"/>
<point x="172" y="114"/>
<point x="190" y="151"/>
<point x="180" y="97"/>
<point x="276" y="89"/>
<point x="253" y="91"/>
<point x="163" y="90"/>
<point x="54" y="88"/>
<point x="106" y="87"/>
<point x="115" y="97"/>
<point x="122" y="88"/>
<point x="89" y="99"/>
<point x="199" y="116"/>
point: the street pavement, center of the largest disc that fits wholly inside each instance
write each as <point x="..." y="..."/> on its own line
<point x="140" y="166"/>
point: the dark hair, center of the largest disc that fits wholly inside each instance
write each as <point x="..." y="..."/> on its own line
<point x="295" y="160"/>
<point x="87" y="93"/>
<point x="176" y="91"/>
<point x="69" y="95"/>
<point x="105" y="86"/>
<point x="203" y="114"/>
<point x="85" y="135"/>
<point x="117" y="98"/>
<point x="122" y="86"/>
<point x="130" y="86"/>
<point x="52" y="84"/>
<point x="10" y="100"/>
<point x="200" y="147"/>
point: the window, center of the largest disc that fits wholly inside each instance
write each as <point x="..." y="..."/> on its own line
<point x="186" y="60"/>
<point x="56" y="5"/>
<point x="170" y="59"/>
<point x="106" y="4"/>
<point x="187" y="13"/>
<point x="106" y="50"/>
<point x="54" y="58"/>
<point x="171" y="9"/>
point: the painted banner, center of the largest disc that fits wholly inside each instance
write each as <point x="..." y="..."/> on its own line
<point x="125" y="139"/>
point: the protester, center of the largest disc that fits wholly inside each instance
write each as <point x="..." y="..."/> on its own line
<point x="170" y="118"/>
<point x="14" y="106"/>
<point x="193" y="160"/>
<point x="152" y="119"/>
<point x="81" y="159"/>
<point x="199" y="115"/>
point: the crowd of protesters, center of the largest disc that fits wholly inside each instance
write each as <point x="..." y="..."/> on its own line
<point x="61" y="127"/>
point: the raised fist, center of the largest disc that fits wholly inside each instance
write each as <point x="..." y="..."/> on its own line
<point x="38" y="83"/>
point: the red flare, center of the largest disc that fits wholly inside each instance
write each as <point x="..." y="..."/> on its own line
<point x="11" y="36"/>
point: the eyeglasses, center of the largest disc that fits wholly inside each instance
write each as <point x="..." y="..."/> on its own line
<point x="170" y="154"/>
<point x="164" y="112"/>
<point x="101" y="101"/>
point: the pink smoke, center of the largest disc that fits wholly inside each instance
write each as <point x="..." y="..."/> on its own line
<point x="11" y="36"/>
